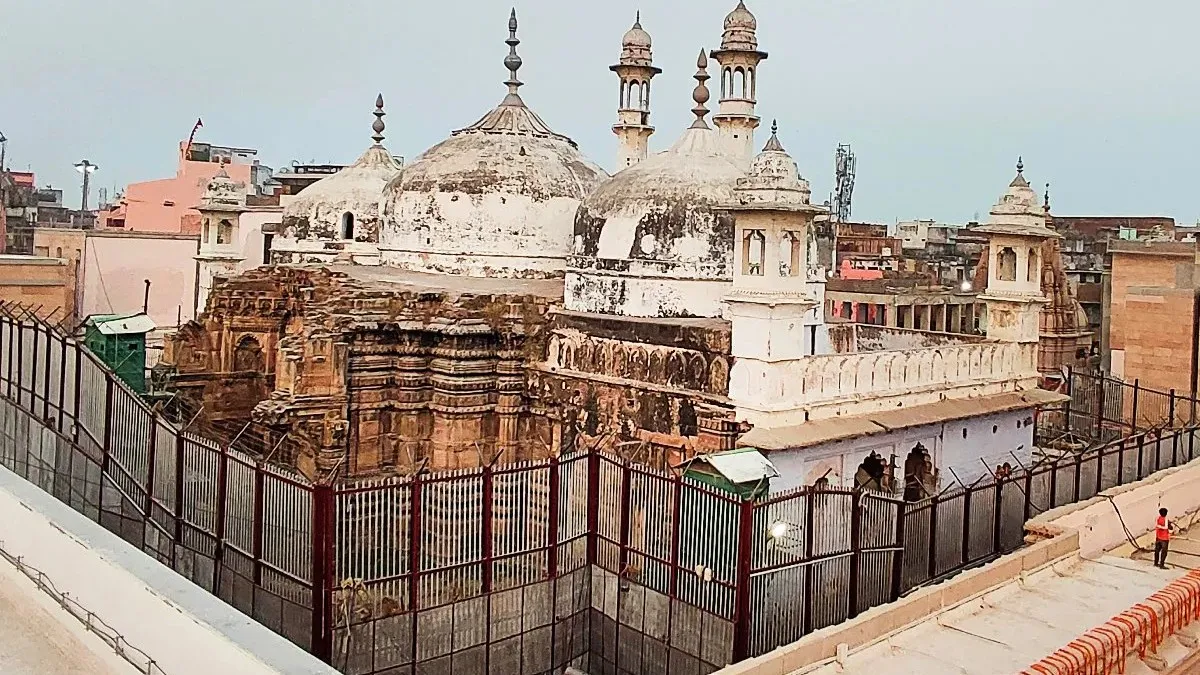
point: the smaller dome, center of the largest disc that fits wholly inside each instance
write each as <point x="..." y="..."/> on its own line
<point x="636" y="46"/>
<point x="774" y="178"/>
<point x="223" y="193"/>
<point x="740" y="30"/>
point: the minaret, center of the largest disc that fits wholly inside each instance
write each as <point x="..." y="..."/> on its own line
<point x="220" y="255"/>
<point x="774" y="318"/>
<point x="635" y="70"/>
<point x="1016" y="233"/>
<point x="739" y="58"/>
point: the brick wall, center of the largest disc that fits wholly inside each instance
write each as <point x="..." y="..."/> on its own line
<point x="1150" y="330"/>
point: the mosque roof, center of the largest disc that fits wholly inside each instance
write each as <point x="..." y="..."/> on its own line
<point x="357" y="186"/>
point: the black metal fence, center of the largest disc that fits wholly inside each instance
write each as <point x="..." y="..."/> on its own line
<point x="585" y="560"/>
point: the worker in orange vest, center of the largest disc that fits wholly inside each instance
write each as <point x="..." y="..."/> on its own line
<point x="1162" y="538"/>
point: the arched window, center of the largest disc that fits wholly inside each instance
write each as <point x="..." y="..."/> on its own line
<point x="754" y="246"/>
<point x="58" y="252"/>
<point x="248" y="356"/>
<point x="1006" y="264"/>
<point x="920" y="478"/>
<point x="738" y="86"/>
<point x="726" y="82"/>
<point x="635" y="95"/>
<point x="1032" y="269"/>
<point x="347" y="225"/>
<point x="204" y="231"/>
<point x="225" y="232"/>
<point x="753" y="85"/>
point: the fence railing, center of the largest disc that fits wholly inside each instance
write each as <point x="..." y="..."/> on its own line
<point x="436" y="569"/>
<point x="1103" y="408"/>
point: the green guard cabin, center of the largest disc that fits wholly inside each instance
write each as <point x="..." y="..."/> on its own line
<point x="119" y="340"/>
<point x="744" y="471"/>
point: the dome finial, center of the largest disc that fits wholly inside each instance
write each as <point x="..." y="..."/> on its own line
<point x="1020" y="165"/>
<point x="1046" y="199"/>
<point x="513" y="60"/>
<point x="773" y="144"/>
<point x="377" y="125"/>
<point x="637" y="21"/>
<point x="700" y="93"/>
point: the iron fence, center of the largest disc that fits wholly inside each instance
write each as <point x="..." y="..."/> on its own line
<point x="584" y="560"/>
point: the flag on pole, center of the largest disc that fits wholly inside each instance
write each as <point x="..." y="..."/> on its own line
<point x="188" y="148"/>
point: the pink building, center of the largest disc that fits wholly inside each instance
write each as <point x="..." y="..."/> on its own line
<point x="168" y="205"/>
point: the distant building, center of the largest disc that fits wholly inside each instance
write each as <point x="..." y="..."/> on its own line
<point x="866" y="246"/>
<point x="44" y="285"/>
<point x="169" y="204"/>
<point x="1154" y="326"/>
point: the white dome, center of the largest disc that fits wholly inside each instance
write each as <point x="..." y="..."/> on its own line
<point x="659" y="218"/>
<point x="740" y="30"/>
<point x="317" y="212"/>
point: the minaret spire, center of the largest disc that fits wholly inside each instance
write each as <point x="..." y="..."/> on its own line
<point x="513" y="60"/>
<point x="377" y="126"/>
<point x="773" y="144"/>
<point x="700" y="93"/>
<point x="1046" y="199"/>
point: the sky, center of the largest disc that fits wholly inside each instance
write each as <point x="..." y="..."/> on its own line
<point x="937" y="98"/>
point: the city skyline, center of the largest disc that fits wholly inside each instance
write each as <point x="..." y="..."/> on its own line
<point x="936" y="117"/>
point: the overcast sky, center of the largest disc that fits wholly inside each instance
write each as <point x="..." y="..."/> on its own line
<point x="937" y="97"/>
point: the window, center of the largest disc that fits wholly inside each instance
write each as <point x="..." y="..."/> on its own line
<point x="204" y="231"/>
<point x="754" y="246"/>
<point x="225" y="232"/>
<point x="790" y="255"/>
<point x="1032" y="269"/>
<point x="1006" y="264"/>
<point x="347" y="225"/>
<point x="58" y="252"/>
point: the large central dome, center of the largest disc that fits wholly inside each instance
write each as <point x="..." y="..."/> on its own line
<point x="497" y="198"/>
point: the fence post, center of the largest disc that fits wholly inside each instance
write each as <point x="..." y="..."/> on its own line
<point x="997" y="516"/>
<point x="62" y="383"/>
<point x="1079" y="470"/>
<point x="933" y="538"/>
<point x="222" y="495"/>
<point x="46" y="387"/>
<point x="323" y="543"/>
<point x="256" y="536"/>
<point x="1070" y="395"/>
<point x="1141" y="441"/>
<point x="33" y="362"/>
<point x="151" y="452"/>
<point x="593" y="504"/>
<point x="1101" y="397"/>
<point x="108" y="417"/>
<point x="1171" y="406"/>
<point x="1052" y="498"/>
<point x="552" y="556"/>
<point x="1134" y="413"/>
<point x="741" y="611"/>
<point x="414" y="558"/>
<point x="676" y="510"/>
<point x="966" y="529"/>
<point x="1028" y="494"/>
<point x="625" y="524"/>
<point x="855" y="549"/>
<point x="898" y="558"/>
<point x="178" y="534"/>
<point x="1120" y="461"/>
<point x="78" y="392"/>
<point x="488" y="518"/>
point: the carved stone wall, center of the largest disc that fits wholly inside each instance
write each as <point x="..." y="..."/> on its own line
<point x="361" y="377"/>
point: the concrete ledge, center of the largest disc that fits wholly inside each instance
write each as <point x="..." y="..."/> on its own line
<point x="879" y="623"/>
<point x="178" y="624"/>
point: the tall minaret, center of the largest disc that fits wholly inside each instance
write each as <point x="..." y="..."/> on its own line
<point x="635" y="70"/>
<point x="739" y="58"/>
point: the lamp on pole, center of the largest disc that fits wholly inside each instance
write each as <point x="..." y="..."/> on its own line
<point x="3" y="150"/>
<point x="87" y="169"/>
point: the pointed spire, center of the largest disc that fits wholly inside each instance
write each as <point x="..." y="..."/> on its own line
<point x="637" y="22"/>
<point x="700" y="93"/>
<point x="377" y="125"/>
<point x="1019" y="181"/>
<point x="1020" y="165"/>
<point x="773" y="144"/>
<point x="1046" y="202"/>
<point x="513" y="60"/>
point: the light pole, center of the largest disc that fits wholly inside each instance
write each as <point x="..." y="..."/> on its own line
<point x="87" y="169"/>
<point x="3" y="150"/>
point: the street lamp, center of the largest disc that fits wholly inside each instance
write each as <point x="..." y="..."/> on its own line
<point x="87" y="169"/>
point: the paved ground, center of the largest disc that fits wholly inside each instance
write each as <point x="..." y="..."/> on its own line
<point x="1020" y="623"/>
<point x="37" y="637"/>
